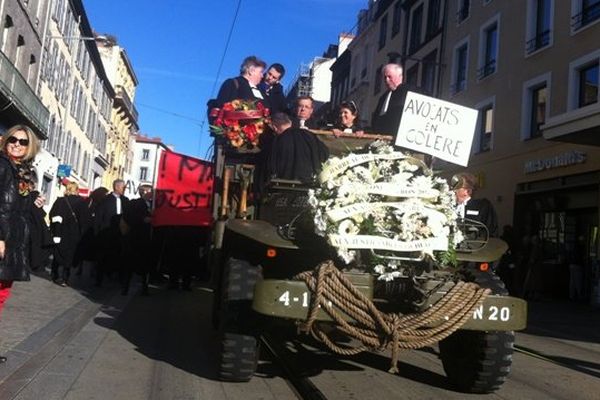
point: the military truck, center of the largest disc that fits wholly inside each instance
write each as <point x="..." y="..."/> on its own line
<point x="260" y="245"/>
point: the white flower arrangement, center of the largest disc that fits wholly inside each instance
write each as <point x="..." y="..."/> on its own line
<point x="386" y="202"/>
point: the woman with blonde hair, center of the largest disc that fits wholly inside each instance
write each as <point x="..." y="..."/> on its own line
<point x="18" y="148"/>
<point x="66" y="220"/>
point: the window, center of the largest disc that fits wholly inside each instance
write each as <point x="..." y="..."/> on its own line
<point x="463" y="10"/>
<point x="540" y="26"/>
<point x="537" y="116"/>
<point x="460" y="68"/>
<point x="589" y="12"/>
<point x="486" y="115"/>
<point x="396" y="18"/>
<point x="412" y="75"/>
<point x="143" y="173"/>
<point x="8" y="23"/>
<point x="415" y="28"/>
<point x="145" y="154"/>
<point x="378" y="80"/>
<point x="433" y="17"/>
<point x="428" y="78"/>
<point x="588" y="85"/>
<point x="490" y="51"/>
<point x="382" y="31"/>
<point x="535" y="105"/>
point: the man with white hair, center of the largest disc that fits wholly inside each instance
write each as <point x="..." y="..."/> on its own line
<point x="386" y="118"/>
<point x="243" y="87"/>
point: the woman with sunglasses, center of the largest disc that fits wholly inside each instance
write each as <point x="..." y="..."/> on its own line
<point x="348" y="121"/>
<point x="18" y="147"/>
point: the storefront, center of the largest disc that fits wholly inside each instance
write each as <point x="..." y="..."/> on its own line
<point x="556" y="221"/>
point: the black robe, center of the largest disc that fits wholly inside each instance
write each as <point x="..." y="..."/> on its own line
<point x="66" y="218"/>
<point x="296" y="154"/>
<point x="389" y="122"/>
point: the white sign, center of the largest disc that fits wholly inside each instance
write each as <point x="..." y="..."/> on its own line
<point x="442" y="129"/>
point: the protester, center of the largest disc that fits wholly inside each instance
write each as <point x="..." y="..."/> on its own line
<point x="481" y="210"/>
<point x="296" y="153"/>
<point x="244" y="86"/>
<point x="66" y="217"/>
<point x="302" y="117"/>
<point x="139" y="254"/>
<point x="388" y="112"/>
<point x="348" y="120"/>
<point x="86" y="251"/>
<point x="17" y="151"/>
<point x="107" y="229"/>
<point x="273" y="90"/>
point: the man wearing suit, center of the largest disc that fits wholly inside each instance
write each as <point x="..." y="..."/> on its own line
<point x="303" y="113"/>
<point x="138" y="249"/>
<point x="244" y="86"/>
<point x="481" y="210"/>
<point x="107" y="229"/>
<point x="273" y="90"/>
<point x="386" y="117"/>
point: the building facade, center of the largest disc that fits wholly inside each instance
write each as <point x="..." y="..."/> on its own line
<point x="531" y="69"/>
<point x="78" y="95"/>
<point x="146" y="155"/>
<point x="124" y="116"/>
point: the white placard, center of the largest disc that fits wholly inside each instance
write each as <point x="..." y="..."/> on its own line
<point x="442" y="129"/>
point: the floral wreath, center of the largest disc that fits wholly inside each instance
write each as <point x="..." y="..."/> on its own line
<point x="387" y="202"/>
<point x="240" y="121"/>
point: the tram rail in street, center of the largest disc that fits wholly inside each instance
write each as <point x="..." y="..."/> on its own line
<point x="303" y="387"/>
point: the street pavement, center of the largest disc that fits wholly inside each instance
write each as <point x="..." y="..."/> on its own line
<point x="50" y="333"/>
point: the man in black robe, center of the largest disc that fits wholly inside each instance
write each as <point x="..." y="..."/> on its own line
<point x="481" y="210"/>
<point x="302" y="118"/>
<point x="296" y="154"/>
<point x="388" y="112"/>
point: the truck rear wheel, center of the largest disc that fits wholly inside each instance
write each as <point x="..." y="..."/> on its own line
<point x="475" y="361"/>
<point x="239" y="343"/>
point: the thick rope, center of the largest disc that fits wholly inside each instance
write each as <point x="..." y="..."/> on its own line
<point x="356" y="316"/>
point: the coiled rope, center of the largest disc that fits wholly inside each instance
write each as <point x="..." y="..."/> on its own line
<point x="376" y="330"/>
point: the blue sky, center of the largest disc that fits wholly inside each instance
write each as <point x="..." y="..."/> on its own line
<point x="175" y="47"/>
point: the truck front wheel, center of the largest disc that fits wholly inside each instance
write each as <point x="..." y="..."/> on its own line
<point x="475" y="361"/>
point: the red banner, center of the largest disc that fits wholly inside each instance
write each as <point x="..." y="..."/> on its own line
<point x="183" y="191"/>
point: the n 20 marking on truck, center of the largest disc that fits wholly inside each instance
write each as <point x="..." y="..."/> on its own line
<point x="494" y="313"/>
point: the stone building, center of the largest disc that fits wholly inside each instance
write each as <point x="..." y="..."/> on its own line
<point x="124" y="115"/>
<point x="78" y="95"/>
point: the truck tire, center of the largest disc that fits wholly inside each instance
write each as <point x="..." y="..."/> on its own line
<point x="476" y="361"/>
<point x="239" y="343"/>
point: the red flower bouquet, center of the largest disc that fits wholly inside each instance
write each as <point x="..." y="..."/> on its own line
<point x="240" y="121"/>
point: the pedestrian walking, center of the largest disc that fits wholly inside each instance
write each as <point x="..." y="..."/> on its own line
<point x="17" y="150"/>
<point x="108" y="235"/>
<point x="66" y="219"/>
<point x="139" y="254"/>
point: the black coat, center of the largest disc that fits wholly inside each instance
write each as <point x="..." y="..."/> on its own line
<point x="310" y="123"/>
<point x="106" y="213"/>
<point x="483" y="211"/>
<point x="138" y="240"/>
<point x="233" y="89"/>
<point x="67" y="217"/>
<point x="388" y="123"/>
<point x="41" y="242"/>
<point x="297" y="154"/>
<point x="275" y="99"/>
<point x="15" y="224"/>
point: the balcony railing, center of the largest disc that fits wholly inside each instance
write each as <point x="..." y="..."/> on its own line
<point x="487" y="69"/>
<point x="122" y="98"/>
<point x="14" y="87"/>
<point x="540" y="40"/>
<point x="586" y="16"/>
